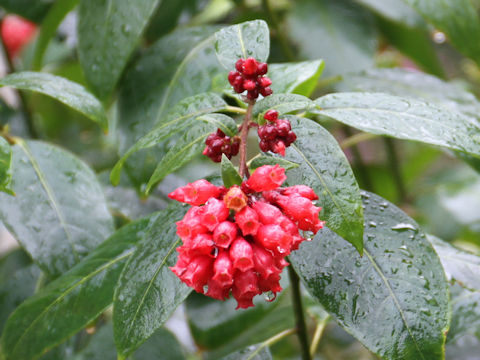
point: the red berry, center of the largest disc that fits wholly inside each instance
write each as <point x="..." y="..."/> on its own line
<point x="250" y="66"/>
<point x="266" y="91"/>
<point x="262" y="68"/>
<point x="252" y="94"/>
<point x="239" y="65"/>
<point x="271" y="115"/>
<point x="264" y="81"/>
<point x="232" y="75"/>
<point x="16" y="33"/>
<point x="249" y="85"/>
<point x="279" y="147"/>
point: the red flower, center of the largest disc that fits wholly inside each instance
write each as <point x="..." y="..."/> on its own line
<point x="266" y="178"/>
<point x="196" y="193"/>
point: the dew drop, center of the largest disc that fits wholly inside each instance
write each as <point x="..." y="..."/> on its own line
<point x="403" y="227"/>
<point x="215" y="252"/>
<point x="205" y="288"/>
<point x="281" y="250"/>
<point x="372" y="224"/>
<point x="270" y="296"/>
<point x="439" y="37"/>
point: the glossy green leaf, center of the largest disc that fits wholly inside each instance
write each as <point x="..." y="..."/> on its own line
<point x="283" y="103"/>
<point x="465" y="328"/>
<point x="403" y="118"/>
<point x="458" y="19"/>
<point x="59" y="213"/>
<point x="72" y="301"/>
<point x="339" y="32"/>
<point x="61" y="89"/>
<point x="34" y="10"/>
<point x="296" y="78"/>
<point x="395" y="10"/>
<point x="161" y="346"/>
<point x="272" y="160"/>
<point x="5" y="166"/>
<point x="248" y="39"/>
<point x="230" y="175"/>
<point x="177" y="66"/>
<point x="148" y="292"/>
<point x="459" y="265"/>
<point x="18" y="279"/>
<point x="253" y="352"/>
<point x="191" y="144"/>
<point x="179" y="118"/>
<point x="220" y="329"/>
<point x="413" y="84"/>
<point x="108" y="32"/>
<point x="395" y="298"/>
<point x="54" y="17"/>
<point x="324" y="167"/>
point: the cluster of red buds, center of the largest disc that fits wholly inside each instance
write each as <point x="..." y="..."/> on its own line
<point x="218" y="143"/>
<point x="276" y="135"/>
<point x="16" y="33"/>
<point x="235" y="240"/>
<point x="249" y="77"/>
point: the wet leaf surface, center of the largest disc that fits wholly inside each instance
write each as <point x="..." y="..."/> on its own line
<point x="148" y="292"/>
<point x="72" y="301"/>
<point x="59" y="213"/>
<point x="403" y="118"/>
<point x="324" y="167"/>
<point x="68" y="92"/>
<point x="295" y="77"/>
<point x="5" y="166"/>
<point x="230" y="175"/>
<point x="283" y="103"/>
<point x="394" y="299"/>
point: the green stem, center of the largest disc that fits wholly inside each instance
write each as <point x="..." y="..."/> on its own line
<point x="235" y="109"/>
<point x="317" y="336"/>
<point x="272" y="19"/>
<point x="271" y="341"/>
<point x="394" y="164"/>
<point x="301" y="325"/>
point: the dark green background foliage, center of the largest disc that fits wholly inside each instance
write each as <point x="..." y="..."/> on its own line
<point x="114" y="100"/>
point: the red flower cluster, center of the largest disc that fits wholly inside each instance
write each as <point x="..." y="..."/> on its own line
<point x="249" y="77"/>
<point x="16" y="33"/>
<point x="276" y="135"/>
<point x="218" y="143"/>
<point x="235" y="240"/>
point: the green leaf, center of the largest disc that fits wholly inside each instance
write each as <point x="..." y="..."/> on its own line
<point x="179" y="118"/>
<point x="403" y="118"/>
<point x="465" y="327"/>
<point x="5" y="166"/>
<point x="148" y="292"/>
<point x="272" y="160"/>
<point x="296" y="78"/>
<point x="59" y="213"/>
<point x="61" y="89"/>
<point x="54" y="17"/>
<point x="177" y="66"/>
<point x="230" y="175"/>
<point x="459" y="265"/>
<point x="162" y="345"/>
<point x="33" y="10"/>
<point x="219" y="328"/>
<point x="253" y="352"/>
<point x="458" y="19"/>
<point x="394" y="299"/>
<point x="324" y="167"/>
<point x="72" y="301"/>
<point x="395" y="10"/>
<point x="416" y="43"/>
<point x="339" y="32"/>
<point x="248" y="39"/>
<point x="191" y="144"/>
<point x="108" y="33"/>
<point x="414" y="84"/>
<point x="283" y="103"/>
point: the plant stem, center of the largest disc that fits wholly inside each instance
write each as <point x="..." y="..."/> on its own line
<point x="299" y="315"/>
<point x="394" y="164"/>
<point x="243" y="169"/>
<point x="235" y="109"/>
<point x="272" y="17"/>
<point x="317" y="336"/>
<point x="271" y="341"/>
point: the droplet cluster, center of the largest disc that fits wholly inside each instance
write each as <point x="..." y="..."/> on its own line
<point x="235" y="240"/>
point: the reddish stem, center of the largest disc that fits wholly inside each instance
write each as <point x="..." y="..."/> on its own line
<point x="243" y="169"/>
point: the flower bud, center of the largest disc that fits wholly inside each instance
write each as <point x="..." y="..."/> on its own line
<point x="245" y="287"/>
<point x="224" y="234"/>
<point x="198" y="272"/>
<point x="274" y="238"/>
<point x="302" y="211"/>
<point x="191" y="224"/>
<point x="214" y="212"/>
<point x="223" y="269"/>
<point x="302" y="190"/>
<point x="266" y="178"/>
<point x="196" y="193"/>
<point x="247" y="221"/>
<point x="241" y="254"/>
